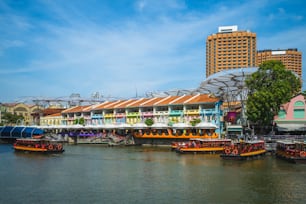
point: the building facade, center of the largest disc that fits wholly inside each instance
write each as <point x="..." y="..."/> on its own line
<point x="291" y="58"/>
<point x="168" y="110"/>
<point x="292" y="116"/>
<point x="28" y="112"/>
<point x="230" y="49"/>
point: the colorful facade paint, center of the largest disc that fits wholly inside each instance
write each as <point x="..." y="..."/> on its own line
<point x="292" y="115"/>
<point x="168" y="110"/>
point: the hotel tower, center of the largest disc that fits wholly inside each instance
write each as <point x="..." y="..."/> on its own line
<point x="291" y="58"/>
<point x="230" y="49"/>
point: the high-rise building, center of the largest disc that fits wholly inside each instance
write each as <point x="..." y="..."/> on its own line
<point x="291" y="58"/>
<point x="230" y="49"/>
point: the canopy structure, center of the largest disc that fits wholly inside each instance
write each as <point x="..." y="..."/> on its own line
<point x="19" y="131"/>
<point x="228" y="84"/>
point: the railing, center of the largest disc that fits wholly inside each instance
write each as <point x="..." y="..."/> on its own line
<point x="120" y="114"/>
<point x="283" y="137"/>
<point x="176" y="112"/>
<point x="133" y="114"/>
<point x="109" y="115"/>
<point x="149" y="113"/>
<point x="192" y="111"/>
<point x="161" y="112"/>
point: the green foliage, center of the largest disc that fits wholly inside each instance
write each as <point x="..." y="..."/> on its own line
<point x="304" y="93"/>
<point x="195" y="121"/>
<point x="269" y="87"/>
<point x="149" y="122"/>
<point x="9" y="118"/>
<point x="80" y="121"/>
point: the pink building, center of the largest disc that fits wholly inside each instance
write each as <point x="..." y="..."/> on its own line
<point x="292" y="115"/>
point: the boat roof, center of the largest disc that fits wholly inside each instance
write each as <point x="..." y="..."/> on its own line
<point x="32" y="139"/>
<point x="252" y="141"/>
<point x="211" y="140"/>
<point x="288" y="142"/>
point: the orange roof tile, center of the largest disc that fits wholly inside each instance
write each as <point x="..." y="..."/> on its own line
<point x="137" y="102"/>
<point x="149" y="102"/>
<point x="91" y="107"/>
<point x="166" y="100"/>
<point x="76" y="109"/>
<point x="180" y="100"/>
<point x="101" y="105"/>
<point x="203" y="98"/>
<point x="54" y="115"/>
<point x="124" y="103"/>
<point x="112" y="105"/>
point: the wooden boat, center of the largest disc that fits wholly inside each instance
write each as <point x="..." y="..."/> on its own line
<point x="292" y="151"/>
<point x="203" y="146"/>
<point x="38" y="145"/>
<point x="244" y="150"/>
<point x="162" y="134"/>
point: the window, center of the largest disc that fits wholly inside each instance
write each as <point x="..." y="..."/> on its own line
<point x="299" y="110"/>
<point x="282" y="114"/>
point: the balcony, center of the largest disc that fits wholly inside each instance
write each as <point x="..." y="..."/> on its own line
<point x="147" y="114"/>
<point x="120" y="115"/>
<point x="208" y="112"/>
<point x="96" y="116"/>
<point x="176" y="112"/>
<point x="109" y="115"/>
<point x="192" y="112"/>
<point x="133" y="114"/>
<point x="161" y="113"/>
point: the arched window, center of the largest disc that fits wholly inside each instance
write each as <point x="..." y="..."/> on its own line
<point x="299" y="110"/>
<point x="282" y="114"/>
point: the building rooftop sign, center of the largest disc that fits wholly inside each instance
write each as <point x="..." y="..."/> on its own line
<point x="227" y="29"/>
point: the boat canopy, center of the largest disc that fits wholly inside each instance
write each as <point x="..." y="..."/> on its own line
<point x="19" y="131"/>
<point x="181" y="125"/>
<point x="206" y="125"/>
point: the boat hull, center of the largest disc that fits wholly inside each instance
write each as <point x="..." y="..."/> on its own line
<point x="159" y="140"/>
<point x="292" y="159"/>
<point x="37" y="150"/>
<point x="244" y="156"/>
<point x="203" y="150"/>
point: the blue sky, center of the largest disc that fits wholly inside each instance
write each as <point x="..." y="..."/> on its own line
<point x="52" y="48"/>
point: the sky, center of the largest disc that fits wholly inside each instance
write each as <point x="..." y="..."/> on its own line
<point x="127" y="48"/>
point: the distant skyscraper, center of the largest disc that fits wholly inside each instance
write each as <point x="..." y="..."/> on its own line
<point x="291" y="58"/>
<point x="230" y="49"/>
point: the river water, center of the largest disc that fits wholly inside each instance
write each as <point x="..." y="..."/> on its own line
<point x="100" y="174"/>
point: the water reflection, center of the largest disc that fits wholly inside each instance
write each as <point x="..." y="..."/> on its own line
<point x="99" y="174"/>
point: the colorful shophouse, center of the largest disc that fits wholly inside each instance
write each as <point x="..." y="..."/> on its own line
<point x="168" y="110"/>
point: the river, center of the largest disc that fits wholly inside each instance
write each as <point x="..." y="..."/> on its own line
<point x="100" y="174"/>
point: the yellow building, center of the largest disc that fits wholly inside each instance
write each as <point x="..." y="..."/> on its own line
<point x="50" y="120"/>
<point x="30" y="113"/>
<point x="230" y="49"/>
<point x="291" y="58"/>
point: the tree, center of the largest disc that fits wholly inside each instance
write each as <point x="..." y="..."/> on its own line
<point x="80" y="121"/>
<point x="269" y="87"/>
<point x="195" y="121"/>
<point x="149" y="122"/>
<point x="9" y="118"/>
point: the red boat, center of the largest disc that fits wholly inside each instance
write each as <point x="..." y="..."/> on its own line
<point x="292" y="151"/>
<point x="202" y="146"/>
<point x="244" y="150"/>
<point x="38" y="145"/>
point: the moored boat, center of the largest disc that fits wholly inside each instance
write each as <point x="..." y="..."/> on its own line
<point x="203" y="146"/>
<point x="162" y="134"/>
<point x="292" y="151"/>
<point x="38" y="145"/>
<point x="244" y="150"/>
